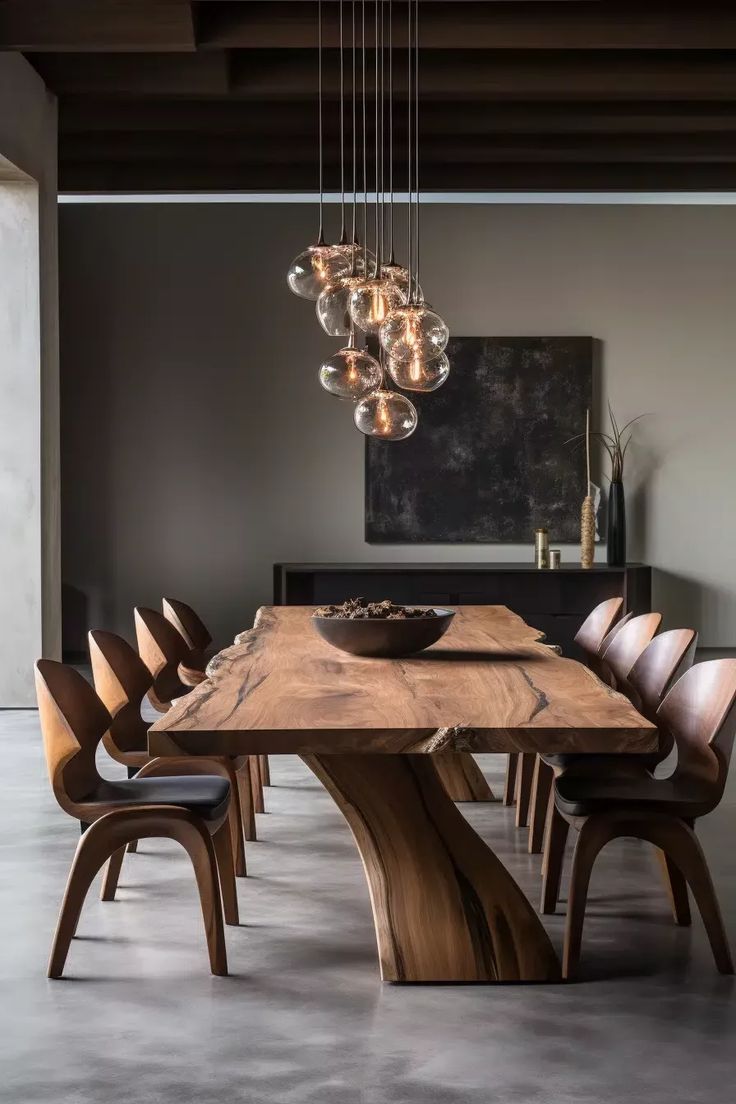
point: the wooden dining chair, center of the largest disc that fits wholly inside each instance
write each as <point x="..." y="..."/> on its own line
<point x="596" y="627"/>
<point x="628" y="643"/>
<point x="617" y="653"/>
<point x="624" y="648"/>
<point x="191" y="810"/>
<point x="122" y="681"/>
<point x="699" y="714"/>
<point x="167" y="656"/>
<point x="198" y="639"/>
<point x="658" y="668"/>
<point x="663" y="661"/>
<point x="188" y="624"/>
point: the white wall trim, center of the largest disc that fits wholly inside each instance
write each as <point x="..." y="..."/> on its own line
<point x="646" y="199"/>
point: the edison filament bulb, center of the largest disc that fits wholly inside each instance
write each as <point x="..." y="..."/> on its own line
<point x="418" y="374"/>
<point x="411" y="331"/>
<point x="350" y="373"/>
<point x="372" y="301"/>
<point x="316" y="267"/>
<point x="386" y="415"/>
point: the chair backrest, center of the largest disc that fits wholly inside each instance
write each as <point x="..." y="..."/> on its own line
<point x="73" y="721"/>
<point x="122" y="680"/>
<point x="662" y="662"/>
<point x="628" y="644"/>
<point x="162" y="648"/>
<point x="699" y="712"/>
<point x="610" y="636"/>
<point x="597" y="624"/>
<point x="187" y="623"/>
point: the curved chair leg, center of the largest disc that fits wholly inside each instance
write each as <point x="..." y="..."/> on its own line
<point x="245" y="796"/>
<point x="112" y="873"/>
<point x="166" y="767"/>
<point x="541" y="788"/>
<point x="682" y="846"/>
<point x="224" y="852"/>
<point x="594" y="834"/>
<point x="256" y="787"/>
<point x="676" y="886"/>
<point x="547" y="828"/>
<point x="509" y="789"/>
<point x="265" y="770"/>
<point x="524" y="776"/>
<point x="235" y="821"/>
<point x="110" y="834"/>
<point x="557" y="830"/>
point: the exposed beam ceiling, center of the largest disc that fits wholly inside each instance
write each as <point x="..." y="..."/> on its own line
<point x="528" y="94"/>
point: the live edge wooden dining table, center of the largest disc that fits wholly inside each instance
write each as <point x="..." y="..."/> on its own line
<point x="444" y="907"/>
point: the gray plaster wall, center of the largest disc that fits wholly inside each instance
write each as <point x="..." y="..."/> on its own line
<point x="198" y="448"/>
<point x="30" y="562"/>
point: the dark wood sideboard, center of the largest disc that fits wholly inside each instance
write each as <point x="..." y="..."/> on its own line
<point x="556" y="602"/>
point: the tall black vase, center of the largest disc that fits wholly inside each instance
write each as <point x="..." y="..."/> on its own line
<point x="616" y="525"/>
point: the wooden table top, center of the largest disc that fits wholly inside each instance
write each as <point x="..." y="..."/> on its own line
<point x="488" y="685"/>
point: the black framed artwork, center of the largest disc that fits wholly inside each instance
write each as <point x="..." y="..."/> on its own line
<point x="491" y="458"/>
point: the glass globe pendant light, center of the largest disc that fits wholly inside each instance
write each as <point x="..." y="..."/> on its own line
<point x="320" y="264"/>
<point x="350" y="373"/>
<point x="372" y="301"/>
<point x="332" y="306"/>
<point x="314" y="268"/>
<point x="386" y="415"/>
<point x="419" y="374"/>
<point x="413" y="331"/>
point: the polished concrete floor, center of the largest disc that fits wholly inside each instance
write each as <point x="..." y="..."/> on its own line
<point x="138" y="1018"/>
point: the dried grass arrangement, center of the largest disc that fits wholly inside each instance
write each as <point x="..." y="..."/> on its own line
<point x="615" y="443"/>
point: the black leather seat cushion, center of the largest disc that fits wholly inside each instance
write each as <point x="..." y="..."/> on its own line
<point x="602" y="761"/>
<point x="584" y="795"/>
<point x="206" y="795"/>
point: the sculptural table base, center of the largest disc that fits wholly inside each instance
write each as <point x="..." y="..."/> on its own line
<point x="462" y="777"/>
<point x="444" y="907"/>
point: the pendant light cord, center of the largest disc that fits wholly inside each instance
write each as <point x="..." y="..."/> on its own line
<point x="392" y="256"/>
<point x="416" y="151"/>
<point x="409" y="210"/>
<point x="321" y="236"/>
<point x="354" y="228"/>
<point x="365" y="147"/>
<point x="377" y="266"/>
<point x="343" y="230"/>
<point x="383" y="137"/>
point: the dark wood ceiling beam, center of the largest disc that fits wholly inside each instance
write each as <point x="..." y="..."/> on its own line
<point x="97" y="25"/>
<point x="93" y="115"/>
<point x="450" y="148"/>
<point x="163" y="176"/>
<point x="457" y="76"/>
<point x="120" y="75"/>
<point x="463" y="25"/>
<point x="169" y="25"/>
<point x="452" y="75"/>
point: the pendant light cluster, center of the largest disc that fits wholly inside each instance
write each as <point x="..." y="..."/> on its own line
<point x="362" y="289"/>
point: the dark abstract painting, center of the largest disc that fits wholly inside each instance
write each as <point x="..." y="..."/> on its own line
<point x="489" y="459"/>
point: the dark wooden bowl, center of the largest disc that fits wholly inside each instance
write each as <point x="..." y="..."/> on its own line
<point x="380" y="636"/>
